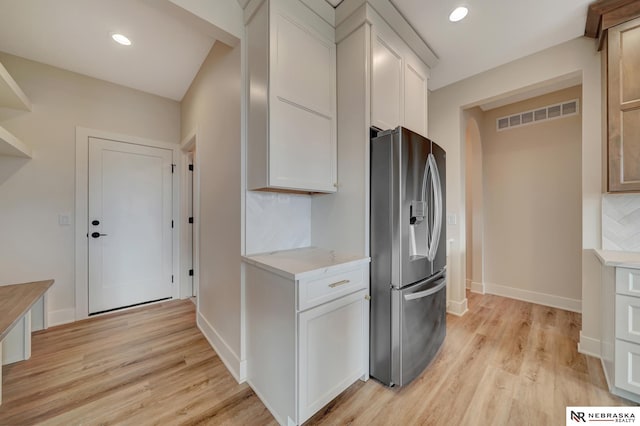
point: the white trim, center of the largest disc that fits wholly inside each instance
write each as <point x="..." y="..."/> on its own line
<point x="230" y="359"/>
<point x="626" y="394"/>
<point x="244" y="102"/>
<point x="190" y="144"/>
<point x="573" y="305"/>
<point x="589" y="346"/>
<point x="61" y="316"/>
<point x="81" y="212"/>
<point x="457" y="308"/>
<point x="477" y="287"/>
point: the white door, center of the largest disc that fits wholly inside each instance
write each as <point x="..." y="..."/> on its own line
<point x="130" y="228"/>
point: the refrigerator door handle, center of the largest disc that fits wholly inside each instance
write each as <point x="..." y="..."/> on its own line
<point x="425" y="293"/>
<point x="437" y="198"/>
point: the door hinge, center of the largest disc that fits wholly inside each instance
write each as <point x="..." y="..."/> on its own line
<point x="171" y="278"/>
<point x="191" y="167"/>
<point x="190" y="220"/>
<point x="172" y="224"/>
<point x="173" y="167"/>
<point x="190" y="272"/>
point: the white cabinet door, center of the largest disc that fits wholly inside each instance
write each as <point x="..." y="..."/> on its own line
<point x="628" y="318"/>
<point x="333" y="344"/>
<point x="627" y="366"/>
<point x="386" y="83"/>
<point x="302" y="103"/>
<point x="415" y="95"/>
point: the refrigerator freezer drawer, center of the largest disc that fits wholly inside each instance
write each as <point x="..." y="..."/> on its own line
<point x="419" y="313"/>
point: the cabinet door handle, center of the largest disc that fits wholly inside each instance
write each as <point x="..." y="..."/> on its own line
<point x="339" y="283"/>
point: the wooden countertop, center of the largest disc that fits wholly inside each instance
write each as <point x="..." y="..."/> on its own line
<point x="16" y="300"/>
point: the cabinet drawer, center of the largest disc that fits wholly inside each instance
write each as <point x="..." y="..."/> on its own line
<point x="627" y="366"/>
<point x="628" y="318"/>
<point x="628" y="281"/>
<point x="329" y="286"/>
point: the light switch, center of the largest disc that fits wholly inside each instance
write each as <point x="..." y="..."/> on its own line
<point x="64" y="220"/>
<point x="452" y="219"/>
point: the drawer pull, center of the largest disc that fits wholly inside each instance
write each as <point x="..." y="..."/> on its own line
<point x="339" y="283"/>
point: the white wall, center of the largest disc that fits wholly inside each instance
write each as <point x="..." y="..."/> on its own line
<point x="225" y="15"/>
<point x="447" y="128"/>
<point x="532" y="211"/>
<point x="34" y="192"/>
<point x="212" y="106"/>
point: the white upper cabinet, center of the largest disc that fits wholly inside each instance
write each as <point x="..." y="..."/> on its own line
<point x="398" y="83"/>
<point x="386" y="87"/>
<point x="415" y="95"/>
<point x="291" y="141"/>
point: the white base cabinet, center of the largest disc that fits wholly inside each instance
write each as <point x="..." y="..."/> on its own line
<point x="620" y="340"/>
<point x="298" y="360"/>
<point x="330" y="350"/>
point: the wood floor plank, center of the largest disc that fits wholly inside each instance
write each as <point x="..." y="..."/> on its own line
<point x="487" y="405"/>
<point x="504" y="362"/>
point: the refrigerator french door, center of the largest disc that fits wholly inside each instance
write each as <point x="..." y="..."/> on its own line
<point x="408" y="254"/>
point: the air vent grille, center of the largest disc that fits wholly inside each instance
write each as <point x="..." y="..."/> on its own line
<point x="550" y="112"/>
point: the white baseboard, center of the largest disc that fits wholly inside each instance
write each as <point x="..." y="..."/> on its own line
<point x="477" y="287"/>
<point x="458" y="308"/>
<point x="468" y="281"/>
<point x="589" y="346"/>
<point x="236" y="367"/>
<point x="61" y="316"/>
<point x="573" y="305"/>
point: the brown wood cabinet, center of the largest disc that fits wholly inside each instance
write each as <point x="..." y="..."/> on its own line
<point x="623" y="87"/>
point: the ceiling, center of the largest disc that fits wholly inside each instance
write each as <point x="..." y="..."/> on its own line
<point x="495" y="31"/>
<point x="169" y="48"/>
<point x="166" y="53"/>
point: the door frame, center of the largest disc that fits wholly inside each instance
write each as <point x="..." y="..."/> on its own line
<point x="190" y="144"/>
<point x="82" y="210"/>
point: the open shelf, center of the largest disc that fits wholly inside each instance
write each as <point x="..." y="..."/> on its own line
<point x="11" y="96"/>
<point x="12" y="146"/>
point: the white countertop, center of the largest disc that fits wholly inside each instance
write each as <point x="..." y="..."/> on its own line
<point x="618" y="258"/>
<point x="303" y="262"/>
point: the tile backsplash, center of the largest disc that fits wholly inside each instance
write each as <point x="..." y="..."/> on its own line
<point x="277" y="221"/>
<point x="621" y="222"/>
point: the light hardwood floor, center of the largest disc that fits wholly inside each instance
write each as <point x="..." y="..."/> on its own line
<point x="504" y="362"/>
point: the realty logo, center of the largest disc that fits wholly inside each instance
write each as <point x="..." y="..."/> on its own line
<point x="623" y="414"/>
<point x="577" y="416"/>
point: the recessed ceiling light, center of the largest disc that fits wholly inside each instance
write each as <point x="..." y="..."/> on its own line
<point x="119" y="38"/>
<point x="458" y="14"/>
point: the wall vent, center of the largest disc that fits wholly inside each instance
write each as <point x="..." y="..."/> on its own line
<point x="538" y="115"/>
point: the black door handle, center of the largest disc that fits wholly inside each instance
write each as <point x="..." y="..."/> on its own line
<point x="95" y="222"/>
<point x="97" y="235"/>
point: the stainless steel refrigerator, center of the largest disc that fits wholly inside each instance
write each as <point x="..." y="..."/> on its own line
<point x="408" y="254"/>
